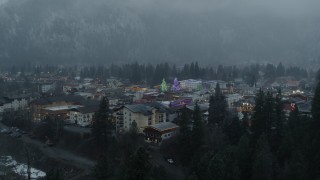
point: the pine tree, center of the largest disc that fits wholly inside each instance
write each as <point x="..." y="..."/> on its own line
<point x="101" y="124"/>
<point x="139" y="166"/>
<point x="134" y="130"/>
<point x="211" y="110"/>
<point x="277" y="124"/>
<point x="262" y="166"/>
<point x="244" y="157"/>
<point x="197" y="137"/>
<point x="293" y="137"/>
<point x="295" y="169"/>
<point x="269" y="113"/>
<point x="224" y="165"/>
<point x="316" y="105"/>
<point x="192" y="70"/>
<point x="234" y="131"/>
<point x="196" y="70"/>
<point x="258" y="123"/>
<point x="201" y="166"/>
<point x="318" y="75"/>
<point x="185" y="137"/>
<point x="313" y="145"/>
<point x="217" y="107"/>
<point x="280" y="115"/>
<point x="280" y="71"/>
<point x="103" y="169"/>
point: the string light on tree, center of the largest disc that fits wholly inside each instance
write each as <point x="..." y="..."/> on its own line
<point x="164" y="87"/>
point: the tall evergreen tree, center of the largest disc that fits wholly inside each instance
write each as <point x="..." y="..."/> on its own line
<point x="197" y="135"/>
<point x="316" y="105"/>
<point x="244" y="157"/>
<point x="224" y="165"/>
<point x="101" y="124"/>
<point x="217" y="107"/>
<point x="280" y="71"/>
<point x="295" y="169"/>
<point x="313" y="145"/>
<point x="196" y="71"/>
<point x="104" y="169"/>
<point x="185" y="137"/>
<point x="233" y="131"/>
<point x="192" y="70"/>
<point x="293" y="137"/>
<point x="139" y="166"/>
<point x="318" y="75"/>
<point x="269" y="113"/>
<point x="258" y="122"/>
<point x="262" y="166"/>
<point x="278" y="124"/>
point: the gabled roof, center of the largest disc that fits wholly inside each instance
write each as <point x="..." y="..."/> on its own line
<point x="49" y="100"/>
<point x="293" y="83"/>
<point x="305" y="107"/>
<point x="140" y="108"/>
<point x="203" y="107"/>
<point x="164" y="126"/>
<point x="86" y="109"/>
<point x="159" y="106"/>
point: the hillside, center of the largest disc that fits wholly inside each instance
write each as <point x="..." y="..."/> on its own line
<point x="102" y="31"/>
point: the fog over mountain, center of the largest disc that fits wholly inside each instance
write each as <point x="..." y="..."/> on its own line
<point x="208" y="31"/>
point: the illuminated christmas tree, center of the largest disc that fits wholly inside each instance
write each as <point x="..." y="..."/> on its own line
<point x="176" y="85"/>
<point x="164" y="87"/>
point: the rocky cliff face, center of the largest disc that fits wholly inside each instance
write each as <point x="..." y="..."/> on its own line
<point x="108" y="31"/>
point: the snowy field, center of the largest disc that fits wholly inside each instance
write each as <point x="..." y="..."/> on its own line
<point x="20" y="168"/>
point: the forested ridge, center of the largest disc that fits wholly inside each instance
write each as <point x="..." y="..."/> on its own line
<point x="80" y="31"/>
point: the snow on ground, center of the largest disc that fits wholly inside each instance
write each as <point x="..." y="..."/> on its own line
<point x="20" y="168"/>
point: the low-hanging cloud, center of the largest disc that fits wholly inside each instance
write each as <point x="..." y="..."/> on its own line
<point x="281" y="8"/>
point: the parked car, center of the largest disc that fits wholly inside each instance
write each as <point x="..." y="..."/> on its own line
<point x="170" y="160"/>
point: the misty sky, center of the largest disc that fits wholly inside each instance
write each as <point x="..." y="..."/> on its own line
<point x="283" y="8"/>
<point x="160" y="30"/>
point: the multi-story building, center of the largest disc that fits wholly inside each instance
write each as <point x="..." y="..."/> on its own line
<point x="82" y="116"/>
<point x="14" y="103"/>
<point x="39" y="106"/>
<point x="160" y="132"/>
<point x="191" y="84"/>
<point x="143" y="114"/>
<point x="47" y="87"/>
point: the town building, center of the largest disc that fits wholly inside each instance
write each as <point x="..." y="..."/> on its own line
<point x="39" y="106"/>
<point x="82" y="116"/>
<point x="14" y="103"/>
<point x="47" y="87"/>
<point x="157" y="133"/>
<point x="143" y="114"/>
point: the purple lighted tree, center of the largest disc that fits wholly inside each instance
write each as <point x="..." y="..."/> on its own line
<point x="176" y="85"/>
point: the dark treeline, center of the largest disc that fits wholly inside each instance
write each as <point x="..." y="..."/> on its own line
<point x="263" y="145"/>
<point x="153" y="74"/>
<point x="266" y="145"/>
